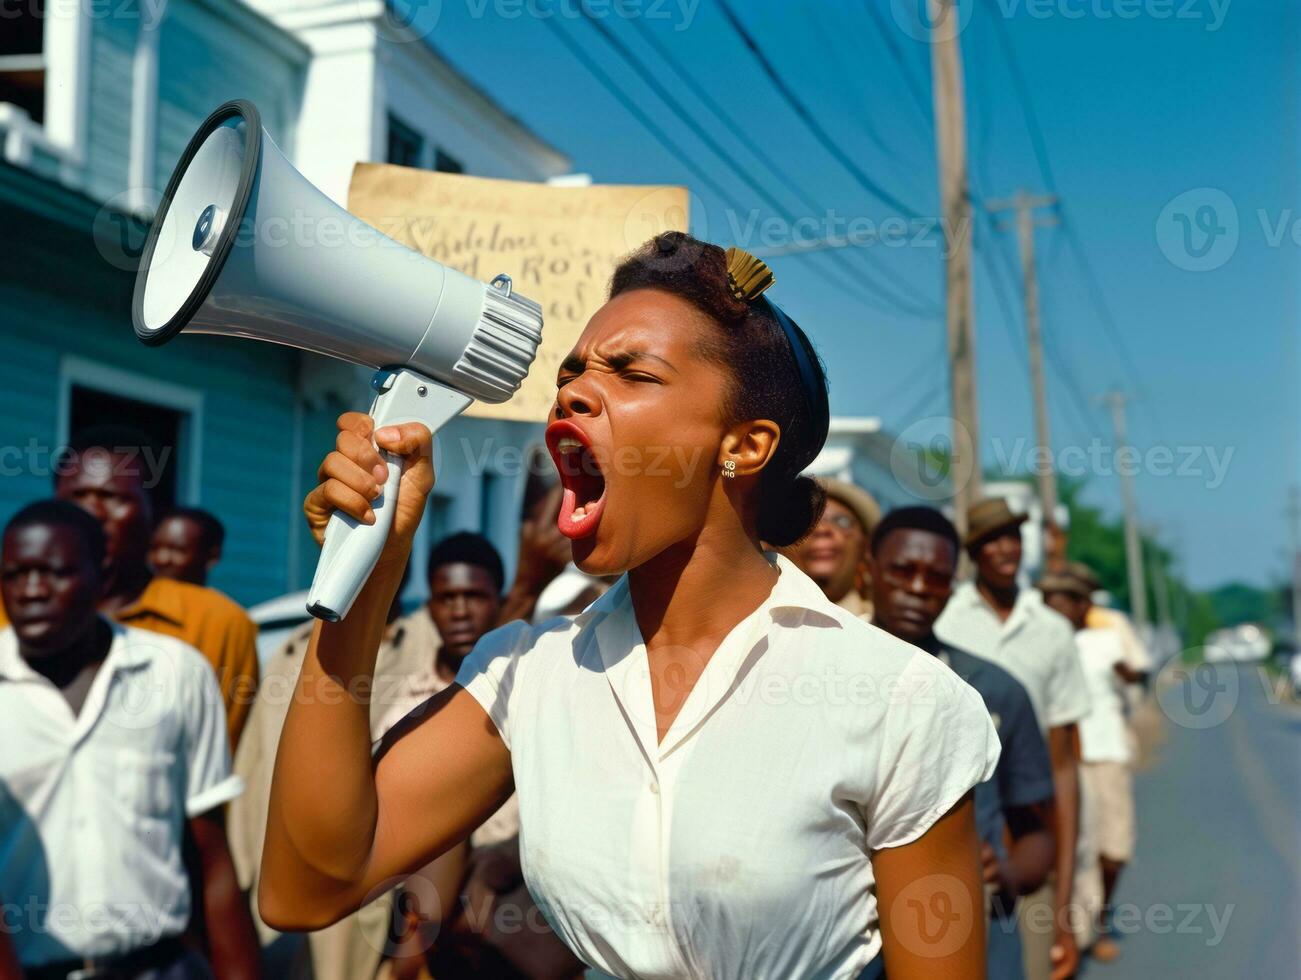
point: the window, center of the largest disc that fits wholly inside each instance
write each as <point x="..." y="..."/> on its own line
<point x="406" y="147"/>
<point x="22" y="57"/>
<point x="447" y="163"/>
<point x="162" y="426"/>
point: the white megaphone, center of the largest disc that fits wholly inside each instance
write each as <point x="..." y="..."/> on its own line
<point x="243" y="245"/>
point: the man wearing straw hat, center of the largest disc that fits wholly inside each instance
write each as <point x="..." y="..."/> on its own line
<point x="994" y="618"/>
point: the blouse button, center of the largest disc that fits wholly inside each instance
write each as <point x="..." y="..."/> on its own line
<point x="654" y="787"/>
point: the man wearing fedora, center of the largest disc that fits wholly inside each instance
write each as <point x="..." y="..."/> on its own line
<point x="1106" y="782"/>
<point x="994" y="618"/>
<point x="834" y="555"/>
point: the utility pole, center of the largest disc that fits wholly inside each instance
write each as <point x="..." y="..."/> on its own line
<point x="1295" y="527"/>
<point x="1160" y="584"/>
<point x="955" y="210"/>
<point x="1133" y="542"/>
<point x="1024" y="204"/>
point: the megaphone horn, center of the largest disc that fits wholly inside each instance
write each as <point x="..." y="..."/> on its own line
<point x="219" y="259"/>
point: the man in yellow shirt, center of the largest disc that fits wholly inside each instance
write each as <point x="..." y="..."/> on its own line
<point x="107" y="473"/>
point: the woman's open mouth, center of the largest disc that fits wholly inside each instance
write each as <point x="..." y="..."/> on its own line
<point x="580" y="476"/>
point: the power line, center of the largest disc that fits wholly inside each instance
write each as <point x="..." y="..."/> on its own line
<point x="660" y="135"/>
<point x="801" y="110"/>
<point x="891" y="43"/>
<point x="923" y="367"/>
<point x="1040" y="147"/>
<point x="632" y="108"/>
<point x="903" y="303"/>
<point x="860" y="120"/>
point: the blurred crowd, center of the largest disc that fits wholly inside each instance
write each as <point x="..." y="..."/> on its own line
<point x="140" y="735"/>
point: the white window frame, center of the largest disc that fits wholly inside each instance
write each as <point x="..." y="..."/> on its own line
<point x="142" y="388"/>
<point x="65" y="57"/>
<point x="67" y="78"/>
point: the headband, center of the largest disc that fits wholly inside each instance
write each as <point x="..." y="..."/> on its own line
<point x="748" y="277"/>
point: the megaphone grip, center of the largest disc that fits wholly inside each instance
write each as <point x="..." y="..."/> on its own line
<point x="352" y="548"/>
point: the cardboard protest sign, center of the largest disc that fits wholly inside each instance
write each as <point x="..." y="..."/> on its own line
<point x="559" y="245"/>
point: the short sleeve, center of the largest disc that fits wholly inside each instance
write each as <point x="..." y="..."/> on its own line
<point x="1025" y="772"/>
<point x="488" y="672"/>
<point x="1067" y="699"/>
<point x="937" y="742"/>
<point x="209" y="780"/>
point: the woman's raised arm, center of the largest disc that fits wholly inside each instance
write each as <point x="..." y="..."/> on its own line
<point x="339" y="828"/>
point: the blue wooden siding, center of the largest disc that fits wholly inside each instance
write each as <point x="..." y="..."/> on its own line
<point x="247" y="420"/>
<point x="204" y="60"/>
<point x="108" y="150"/>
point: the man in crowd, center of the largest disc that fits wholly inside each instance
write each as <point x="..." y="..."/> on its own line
<point x="1106" y="781"/>
<point x="995" y="619"/>
<point x="835" y="554"/>
<point x="914" y="554"/>
<point x="186" y="544"/>
<point x="103" y="471"/>
<point x="419" y="657"/>
<point x="113" y="777"/>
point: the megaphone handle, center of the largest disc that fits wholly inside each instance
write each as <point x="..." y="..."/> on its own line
<point x="352" y="548"/>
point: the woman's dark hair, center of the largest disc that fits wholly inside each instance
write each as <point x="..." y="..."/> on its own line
<point x="763" y="380"/>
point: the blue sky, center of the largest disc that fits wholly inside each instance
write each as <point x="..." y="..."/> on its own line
<point x="1168" y="126"/>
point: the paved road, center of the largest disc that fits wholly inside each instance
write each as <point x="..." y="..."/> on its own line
<point x="1215" y="888"/>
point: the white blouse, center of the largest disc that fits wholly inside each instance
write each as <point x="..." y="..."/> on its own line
<point x="738" y="847"/>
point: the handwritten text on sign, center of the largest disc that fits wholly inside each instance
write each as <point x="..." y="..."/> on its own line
<point x="559" y="245"/>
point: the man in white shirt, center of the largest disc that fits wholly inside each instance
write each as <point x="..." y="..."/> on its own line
<point x="1106" y="782"/>
<point x="995" y="619"/>
<point x="113" y="777"/>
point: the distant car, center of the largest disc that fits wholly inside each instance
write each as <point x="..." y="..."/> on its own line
<point x="1246" y="643"/>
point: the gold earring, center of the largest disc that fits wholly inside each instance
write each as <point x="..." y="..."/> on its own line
<point x="729" y="468"/>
